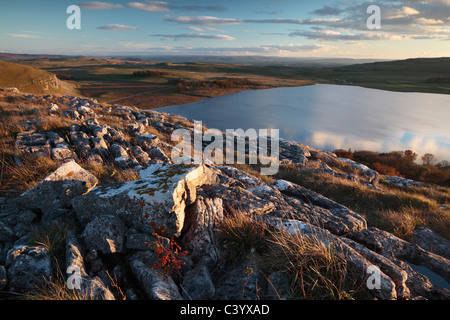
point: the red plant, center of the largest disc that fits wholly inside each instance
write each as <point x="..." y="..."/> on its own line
<point x="169" y="257"/>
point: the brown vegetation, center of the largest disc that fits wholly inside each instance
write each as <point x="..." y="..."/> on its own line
<point x="403" y="164"/>
<point x="150" y="73"/>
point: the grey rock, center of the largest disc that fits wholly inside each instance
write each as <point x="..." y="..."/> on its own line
<point x="28" y="266"/>
<point x="85" y="111"/>
<point x="90" y="288"/>
<point x="202" y="228"/>
<point x="53" y="108"/>
<point x="156" y="285"/>
<point x="59" y="188"/>
<point x="157" y="154"/>
<point x="160" y="196"/>
<point x="147" y="141"/>
<point x="432" y="242"/>
<point x="246" y="179"/>
<point x="197" y="284"/>
<point x="106" y="234"/>
<point x="278" y="286"/>
<point x="72" y="114"/>
<point x="241" y="282"/>
<point x="61" y="154"/>
<point x="33" y="142"/>
<point x="240" y="201"/>
<point x="355" y="261"/>
<point x="118" y="151"/>
<point x="400" y="252"/>
<point x="3" y="278"/>
<point x="138" y="241"/>
<point x="140" y="155"/>
<point x="336" y="217"/>
<point x="6" y="233"/>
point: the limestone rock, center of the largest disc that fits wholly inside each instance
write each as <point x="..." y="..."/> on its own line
<point x="106" y="234"/>
<point x="200" y="239"/>
<point x="430" y="241"/>
<point x="57" y="189"/>
<point x="90" y="288"/>
<point x="27" y="266"/>
<point x="321" y="210"/>
<point x="160" y="196"/>
<point x="155" y="285"/>
<point x="197" y="284"/>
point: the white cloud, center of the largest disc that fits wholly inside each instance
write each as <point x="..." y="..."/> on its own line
<point x="196" y="29"/>
<point x="150" y="6"/>
<point x="98" y="5"/>
<point x="401" y="12"/>
<point x="195" y="36"/>
<point x="23" y="35"/>
<point x="426" y="21"/>
<point x="204" y="20"/>
<point x="114" y="27"/>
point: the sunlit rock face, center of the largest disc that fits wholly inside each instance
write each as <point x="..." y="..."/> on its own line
<point x="160" y="196"/>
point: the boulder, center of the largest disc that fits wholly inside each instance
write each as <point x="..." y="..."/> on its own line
<point x="160" y="196"/>
<point x="320" y="210"/>
<point x="59" y="188"/>
<point x="242" y="281"/>
<point x="156" y="285"/>
<point x="146" y="141"/>
<point x="140" y="155"/>
<point x="89" y="288"/>
<point x="106" y="234"/>
<point x="28" y="267"/>
<point x="6" y="233"/>
<point x="430" y="241"/>
<point x="61" y="153"/>
<point x="197" y="284"/>
<point x="157" y="154"/>
<point x="202" y="223"/>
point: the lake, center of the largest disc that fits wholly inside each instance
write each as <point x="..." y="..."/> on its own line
<point x="328" y="117"/>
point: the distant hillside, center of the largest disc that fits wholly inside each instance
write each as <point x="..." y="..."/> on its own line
<point x="32" y="80"/>
<point x="410" y="75"/>
<point x="253" y="60"/>
<point x="418" y="66"/>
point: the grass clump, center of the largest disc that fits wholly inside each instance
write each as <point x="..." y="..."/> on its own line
<point x="315" y="272"/>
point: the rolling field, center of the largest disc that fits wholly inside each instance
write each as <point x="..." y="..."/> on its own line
<point x="112" y="80"/>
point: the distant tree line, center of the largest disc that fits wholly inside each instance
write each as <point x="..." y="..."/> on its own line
<point x="403" y="164"/>
<point x="184" y="85"/>
<point x="150" y="73"/>
<point x="438" y="80"/>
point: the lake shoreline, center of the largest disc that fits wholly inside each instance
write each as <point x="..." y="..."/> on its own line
<point x="323" y="125"/>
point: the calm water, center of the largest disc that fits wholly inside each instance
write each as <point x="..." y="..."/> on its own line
<point x="331" y="116"/>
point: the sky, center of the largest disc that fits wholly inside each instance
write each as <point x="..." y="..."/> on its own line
<point x="283" y="28"/>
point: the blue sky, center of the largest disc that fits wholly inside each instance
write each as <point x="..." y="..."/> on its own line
<point x="294" y="28"/>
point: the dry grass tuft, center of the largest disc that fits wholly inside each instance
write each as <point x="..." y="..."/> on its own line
<point x="314" y="271"/>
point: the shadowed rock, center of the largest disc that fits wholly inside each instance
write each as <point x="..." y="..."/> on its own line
<point x="59" y="188"/>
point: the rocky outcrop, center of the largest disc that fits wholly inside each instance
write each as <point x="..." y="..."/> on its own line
<point x="191" y="202"/>
<point x="115" y="229"/>
<point x="160" y="196"/>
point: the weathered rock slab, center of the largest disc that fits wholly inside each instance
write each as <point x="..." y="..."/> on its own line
<point x="59" y="188"/>
<point x="160" y="196"/>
